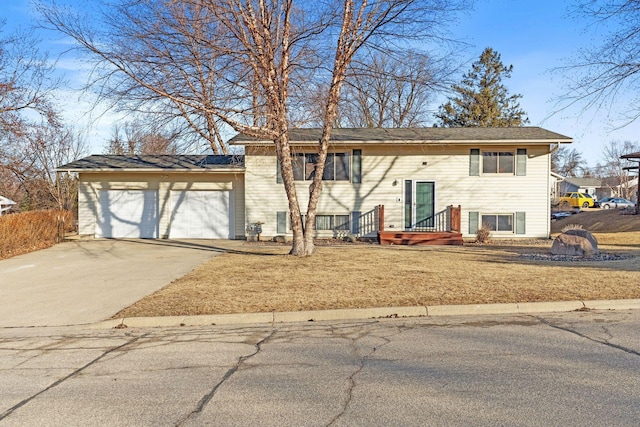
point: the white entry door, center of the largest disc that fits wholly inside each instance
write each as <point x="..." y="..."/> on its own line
<point x="200" y="215"/>
<point x="127" y="213"/>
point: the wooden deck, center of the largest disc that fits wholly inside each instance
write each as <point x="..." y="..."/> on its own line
<point x="446" y="232"/>
<point x="419" y="238"/>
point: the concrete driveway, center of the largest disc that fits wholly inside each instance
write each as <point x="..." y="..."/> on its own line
<point x="87" y="281"/>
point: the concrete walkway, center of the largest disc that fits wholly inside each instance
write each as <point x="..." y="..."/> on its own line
<point x="88" y="281"/>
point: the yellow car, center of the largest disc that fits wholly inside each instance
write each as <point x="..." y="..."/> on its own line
<point x="576" y="200"/>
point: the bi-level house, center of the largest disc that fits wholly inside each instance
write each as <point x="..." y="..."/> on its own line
<point x="387" y="182"/>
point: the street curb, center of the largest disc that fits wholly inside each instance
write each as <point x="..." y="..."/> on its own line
<point x="369" y="313"/>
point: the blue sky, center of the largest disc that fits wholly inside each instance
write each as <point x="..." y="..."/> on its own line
<point x="533" y="36"/>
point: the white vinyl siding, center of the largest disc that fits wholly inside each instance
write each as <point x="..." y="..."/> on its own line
<point x="91" y="183"/>
<point x="385" y="168"/>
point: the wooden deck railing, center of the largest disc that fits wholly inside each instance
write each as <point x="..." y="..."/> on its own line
<point x="368" y="223"/>
<point x="447" y="220"/>
<point x="371" y="223"/>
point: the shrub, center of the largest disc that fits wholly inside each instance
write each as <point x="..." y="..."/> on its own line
<point x="483" y="233"/>
<point x="33" y="230"/>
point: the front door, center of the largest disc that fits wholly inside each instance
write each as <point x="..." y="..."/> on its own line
<point x="419" y="204"/>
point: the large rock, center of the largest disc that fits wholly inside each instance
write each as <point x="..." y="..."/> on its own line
<point x="573" y="245"/>
<point x="586" y="234"/>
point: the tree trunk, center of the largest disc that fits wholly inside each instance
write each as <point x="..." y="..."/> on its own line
<point x="283" y="151"/>
<point x="344" y="53"/>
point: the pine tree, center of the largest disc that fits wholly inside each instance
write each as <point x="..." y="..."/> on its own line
<point x="482" y="100"/>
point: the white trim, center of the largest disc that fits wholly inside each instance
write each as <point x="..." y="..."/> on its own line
<point x="344" y="142"/>
<point x="499" y="232"/>
<point x="150" y="170"/>
<point x="413" y="198"/>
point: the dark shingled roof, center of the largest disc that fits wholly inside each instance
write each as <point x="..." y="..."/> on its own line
<point x="631" y="156"/>
<point x="418" y="135"/>
<point x="187" y="163"/>
<point x="584" y="182"/>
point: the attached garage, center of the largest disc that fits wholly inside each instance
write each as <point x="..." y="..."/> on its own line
<point x="200" y="215"/>
<point x="127" y="213"/>
<point x="160" y="196"/>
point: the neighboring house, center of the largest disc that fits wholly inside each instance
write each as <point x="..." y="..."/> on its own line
<point x="635" y="169"/>
<point x="555" y="180"/>
<point x="580" y="185"/>
<point x="630" y="187"/>
<point x="613" y="187"/>
<point x="5" y="204"/>
<point x="499" y="176"/>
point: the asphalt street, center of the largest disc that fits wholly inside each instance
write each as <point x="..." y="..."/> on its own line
<point x="577" y="368"/>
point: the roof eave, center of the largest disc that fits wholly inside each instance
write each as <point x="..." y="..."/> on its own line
<point x="151" y="170"/>
<point x="261" y="143"/>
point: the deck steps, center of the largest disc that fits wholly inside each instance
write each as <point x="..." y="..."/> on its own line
<point x="419" y="238"/>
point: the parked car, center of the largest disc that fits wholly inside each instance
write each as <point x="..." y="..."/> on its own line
<point x="560" y="215"/>
<point x="576" y="200"/>
<point x="615" y="202"/>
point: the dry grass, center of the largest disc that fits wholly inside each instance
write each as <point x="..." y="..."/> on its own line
<point x="600" y="221"/>
<point x="31" y="231"/>
<point x="265" y="280"/>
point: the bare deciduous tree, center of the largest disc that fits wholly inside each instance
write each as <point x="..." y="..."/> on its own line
<point x="31" y="139"/>
<point x="25" y="83"/>
<point x="607" y="74"/>
<point x="618" y="179"/>
<point x="388" y="91"/>
<point x="133" y="138"/>
<point x="30" y="164"/>
<point x="567" y="162"/>
<point x="239" y="61"/>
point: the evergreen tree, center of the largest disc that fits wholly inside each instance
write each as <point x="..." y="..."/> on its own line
<point x="482" y="100"/>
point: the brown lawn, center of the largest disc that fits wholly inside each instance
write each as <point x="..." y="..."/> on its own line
<point x="263" y="278"/>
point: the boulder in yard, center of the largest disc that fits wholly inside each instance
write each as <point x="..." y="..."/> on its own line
<point x="586" y="234"/>
<point x="573" y="245"/>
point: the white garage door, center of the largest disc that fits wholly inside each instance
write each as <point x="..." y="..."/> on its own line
<point x="200" y="215"/>
<point x="127" y="213"/>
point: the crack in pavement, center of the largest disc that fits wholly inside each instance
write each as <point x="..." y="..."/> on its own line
<point x="20" y="404"/>
<point x="207" y="397"/>
<point x="362" y="360"/>
<point x="581" y="335"/>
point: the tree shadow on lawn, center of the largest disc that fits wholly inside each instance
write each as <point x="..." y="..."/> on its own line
<point x="200" y="245"/>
